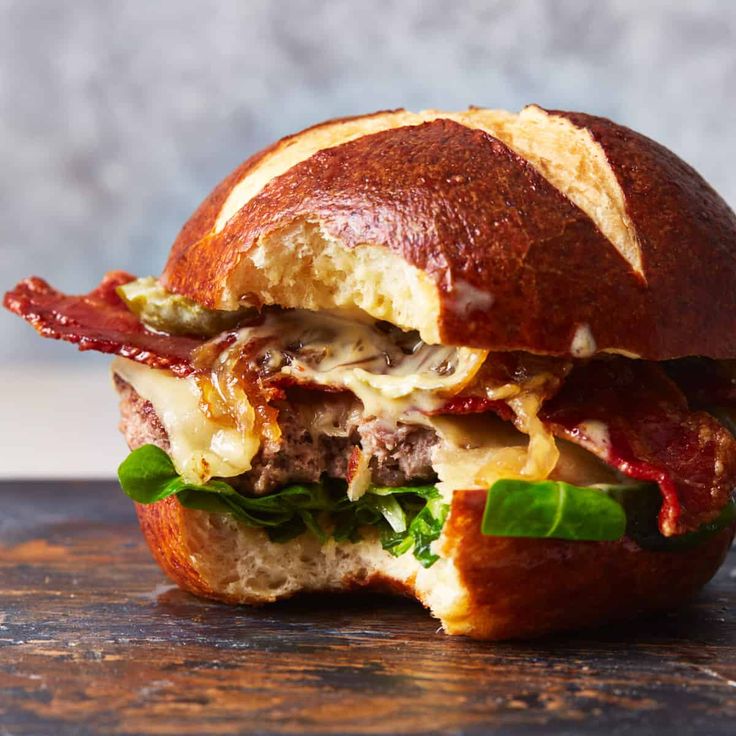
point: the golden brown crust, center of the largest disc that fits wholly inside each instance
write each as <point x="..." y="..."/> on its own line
<point x="512" y="588"/>
<point x="521" y="588"/>
<point x="163" y="527"/>
<point x="517" y="265"/>
<point x="202" y="222"/>
<point x="688" y="241"/>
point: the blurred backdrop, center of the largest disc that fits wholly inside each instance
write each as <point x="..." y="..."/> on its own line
<point x="117" y="118"/>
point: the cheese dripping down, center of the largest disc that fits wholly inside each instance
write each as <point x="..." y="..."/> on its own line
<point x="478" y="450"/>
<point x="218" y="420"/>
<point x="202" y="444"/>
<point x="399" y="378"/>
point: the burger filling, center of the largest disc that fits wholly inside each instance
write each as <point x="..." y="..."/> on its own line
<point x="306" y="422"/>
<point x="339" y="426"/>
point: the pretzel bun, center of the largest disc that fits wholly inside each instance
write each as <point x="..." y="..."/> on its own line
<point x="483" y="587"/>
<point x="544" y="231"/>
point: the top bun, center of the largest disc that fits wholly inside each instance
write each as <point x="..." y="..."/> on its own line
<point x="545" y="231"/>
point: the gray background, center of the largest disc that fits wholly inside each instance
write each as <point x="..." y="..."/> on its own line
<point x="116" y="118"/>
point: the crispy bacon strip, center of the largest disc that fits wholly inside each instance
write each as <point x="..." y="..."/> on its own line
<point x="99" y="321"/>
<point x="631" y="415"/>
<point x="627" y="412"/>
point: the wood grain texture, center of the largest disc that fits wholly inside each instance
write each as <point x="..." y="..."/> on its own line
<point x="93" y="639"/>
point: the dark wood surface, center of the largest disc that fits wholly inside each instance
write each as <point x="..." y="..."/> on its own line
<point x="94" y="639"/>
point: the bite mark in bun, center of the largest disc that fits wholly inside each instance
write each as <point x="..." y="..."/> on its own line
<point x="443" y="354"/>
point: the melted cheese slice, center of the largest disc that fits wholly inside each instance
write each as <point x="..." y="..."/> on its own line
<point x="395" y="375"/>
<point x="480" y="449"/>
<point x="392" y="373"/>
<point x="200" y="448"/>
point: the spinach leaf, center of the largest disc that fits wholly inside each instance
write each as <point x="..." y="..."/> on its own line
<point x="724" y="519"/>
<point x="424" y="528"/>
<point x="410" y="518"/>
<point x="518" y="508"/>
<point x="147" y="475"/>
<point x="563" y="511"/>
<point x="407" y="517"/>
<point x="389" y="508"/>
<point x="642" y="502"/>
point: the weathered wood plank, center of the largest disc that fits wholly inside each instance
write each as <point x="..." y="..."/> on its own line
<point x="93" y="639"/>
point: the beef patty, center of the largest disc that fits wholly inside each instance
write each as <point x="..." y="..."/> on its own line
<point x="318" y="433"/>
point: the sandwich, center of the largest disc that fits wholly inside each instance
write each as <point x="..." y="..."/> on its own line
<point x="481" y="358"/>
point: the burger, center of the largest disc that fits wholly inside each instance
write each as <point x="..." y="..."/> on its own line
<point x="480" y="358"/>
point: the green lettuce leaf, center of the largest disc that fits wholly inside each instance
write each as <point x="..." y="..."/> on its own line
<point x="642" y="502"/>
<point x="517" y="508"/>
<point x="558" y="510"/>
<point x="429" y="512"/>
<point x="410" y="518"/>
<point x="147" y="475"/>
<point x="407" y="518"/>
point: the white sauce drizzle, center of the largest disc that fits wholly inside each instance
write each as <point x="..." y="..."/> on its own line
<point x="583" y="343"/>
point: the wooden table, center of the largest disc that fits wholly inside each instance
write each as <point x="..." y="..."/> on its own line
<point x="94" y="639"/>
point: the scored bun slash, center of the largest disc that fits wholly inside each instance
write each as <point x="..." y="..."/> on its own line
<point x="481" y="358"/>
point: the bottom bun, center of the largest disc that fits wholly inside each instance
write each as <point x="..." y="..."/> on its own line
<point x="482" y="587"/>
